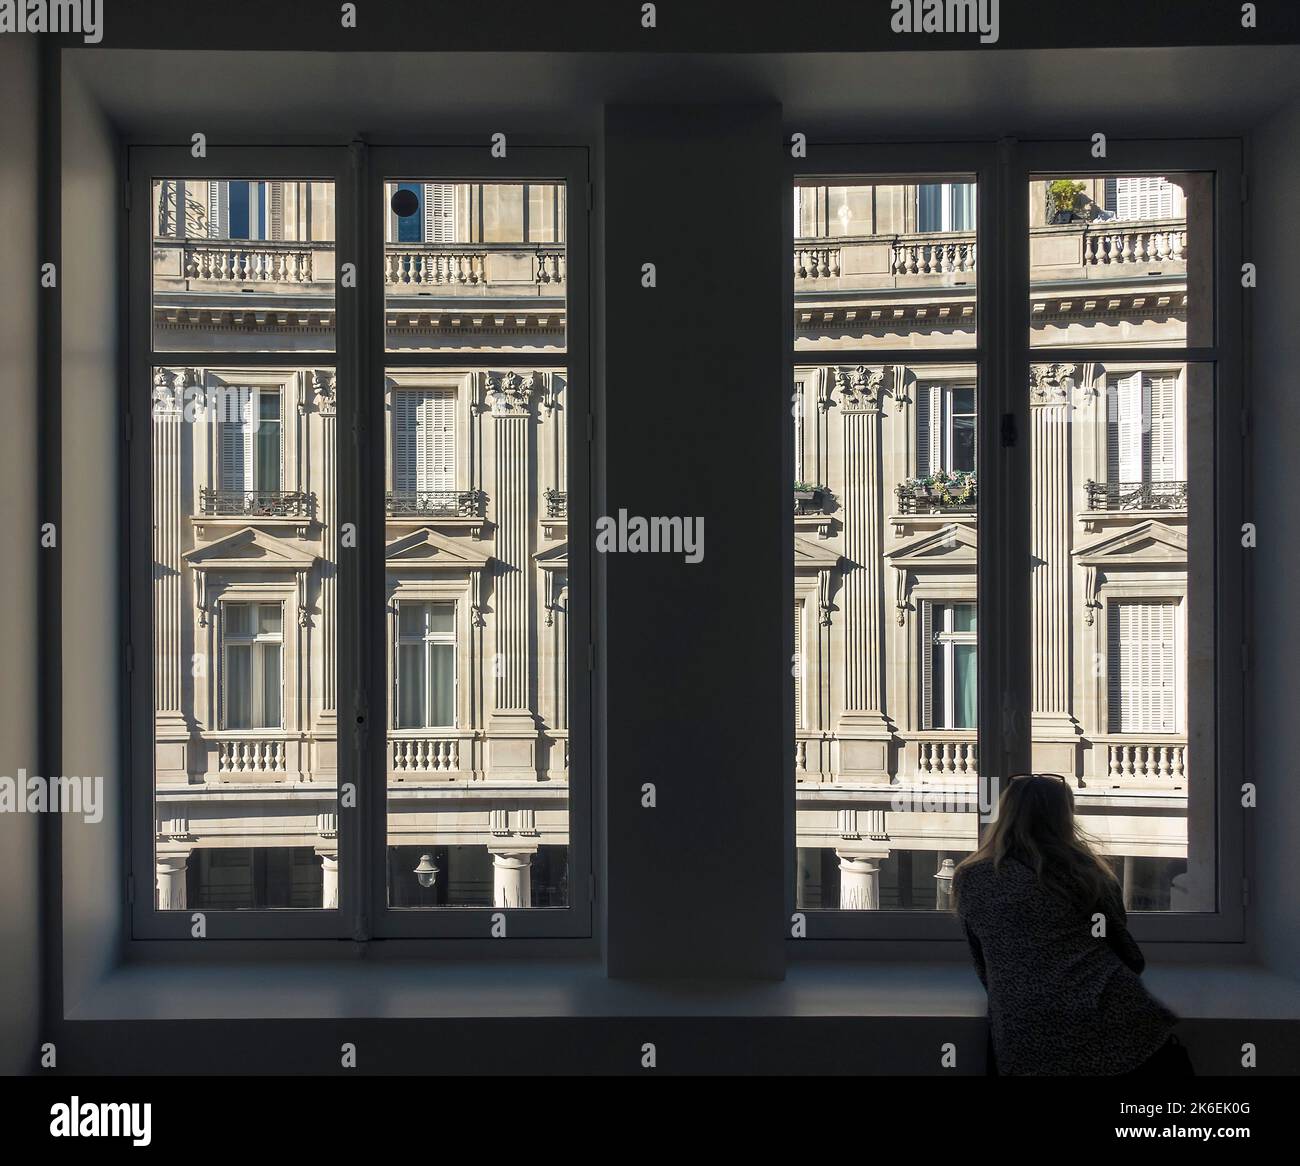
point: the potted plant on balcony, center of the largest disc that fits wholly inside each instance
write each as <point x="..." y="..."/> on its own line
<point x="808" y="495"/>
<point x="1063" y="198"/>
<point x="939" y="489"/>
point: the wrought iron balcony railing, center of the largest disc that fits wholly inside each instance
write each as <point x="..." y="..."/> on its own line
<point x="557" y="504"/>
<point x="1135" y="495"/>
<point x="435" y="503"/>
<point x="955" y="497"/>
<point x="256" y="503"/>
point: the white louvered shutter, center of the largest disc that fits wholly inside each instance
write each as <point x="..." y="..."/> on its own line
<point x="274" y="211"/>
<point x="404" y="463"/>
<point x="1162" y="392"/>
<point x="927" y="665"/>
<point x="798" y="669"/>
<point x="436" y="442"/>
<point x="1124" y="402"/>
<point x="237" y="443"/>
<point x="439" y="212"/>
<point x="218" y="209"/>
<point x="1142" y="676"/>
<point x="929" y="429"/>
<point x="424" y="443"/>
<point x="1144" y="198"/>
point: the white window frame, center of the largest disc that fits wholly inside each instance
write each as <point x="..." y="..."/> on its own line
<point x="428" y="639"/>
<point x="947" y="638"/>
<point x="935" y="425"/>
<point x="255" y="641"/>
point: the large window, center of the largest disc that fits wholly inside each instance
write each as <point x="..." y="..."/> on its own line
<point x="358" y="578"/>
<point x="884" y="427"/>
<point x="1101" y="474"/>
<point x="477" y="553"/>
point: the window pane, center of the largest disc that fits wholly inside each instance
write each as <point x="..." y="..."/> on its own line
<point x="412" y="619"/>
<point x="442" y="618"/>
<point x="885" y="262"/>
<point x="270" y="654"/>
<point x="964" y="686"/>
<point x="477" y="593"/>
<point x="1123" y="554"/>
<point x="886" y="768"/>
<point x="239" y="686"/>
<point x="473" y="266"/>
<point x="411" y="700"/>
<point x="443" y="678"/>
<point x="1121" y="260"/>
<point x="243" y="614"/>
<point x="243" y="266"/>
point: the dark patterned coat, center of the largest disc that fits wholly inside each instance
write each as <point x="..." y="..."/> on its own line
<point x="1061" y="1002"/>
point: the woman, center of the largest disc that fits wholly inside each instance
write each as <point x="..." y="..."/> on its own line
<point x="1046" y="925"/>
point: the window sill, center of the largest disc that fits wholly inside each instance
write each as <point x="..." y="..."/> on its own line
<point x="332" y="988"/>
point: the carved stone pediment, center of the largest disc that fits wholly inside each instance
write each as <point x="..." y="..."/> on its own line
<point x="554" y="559"/>
<point x="1150" y="543"/>
<point x="813" y="556"/>
<point x="954" y="545"/>
<point x="426" y="549"/>
<point x="249" y="549"/>
<point x="252" y="549"/>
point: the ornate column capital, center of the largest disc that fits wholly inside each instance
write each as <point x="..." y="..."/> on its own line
<point x="859" y="388"/>
<point x="1050" y="384"/>
<point x="510" y="395"/>
<point x="323" y="386"/>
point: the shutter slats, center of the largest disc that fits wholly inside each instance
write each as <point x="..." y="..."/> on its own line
<point x="439" y="212"/>
<point x="798" y="670"/>
<point x="1149" y="197"/>
<point x="1142" y="678"/>
<point x="424" y="440"/>
<point x="927" y="665"/>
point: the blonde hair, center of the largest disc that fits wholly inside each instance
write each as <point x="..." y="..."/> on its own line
<point x="1036" y="825"/>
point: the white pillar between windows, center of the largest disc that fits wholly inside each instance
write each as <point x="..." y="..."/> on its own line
<point x="863" y="731"/>
<point x="512" y="884"/>
<point x="329" y="865"/>
<point x="859" y="881"/>
<point x="170" y="870"/>
<point x="1054" y="729"/>
<point x="171" y="615"/>
<point x="512" y="726"/>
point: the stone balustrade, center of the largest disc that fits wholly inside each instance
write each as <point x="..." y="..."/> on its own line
<point x="244" y="755"/>
<point x="425" y="754"/>
<point x="1080" y="250"/>
<point x="225" y="265"/>
<point x="947" y="757"/>
<point x="485" y="269"/>
<point x="1145" y="762"/>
